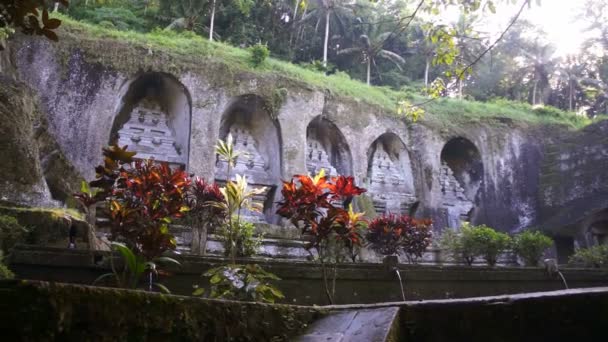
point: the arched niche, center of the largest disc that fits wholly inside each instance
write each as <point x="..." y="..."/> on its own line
<point x="461" y="177"/>
<point x="257" y="137"/>
<point x="596" y="228"/>
<point x="326" y="148"/>
<point x="389" y="175"/>
<point x="154" y="119"/>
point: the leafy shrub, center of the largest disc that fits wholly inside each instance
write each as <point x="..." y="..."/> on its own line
<point x="203" y="214"/>
<point x="596" y="256"/>
<point x="259" y="53"/>
<point x="134" y="269"/>
<point x="141" y="197"/>
<point x="120" y="18"/>
<point x="531" y="245"/>
<point x="489" y="243"/>
<point x="11" y="233"/>
<point x="242" y="282"/>
<point x="5" y="273"/>
<point x="417" y="239"/>
<point x="473" y="241"/>
<point x="245" y="243"/>
<point x="459" y="245"/>
<point x="389" y="233"/>
<point x="313" y="205"/>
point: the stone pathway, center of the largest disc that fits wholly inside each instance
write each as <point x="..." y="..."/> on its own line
<point x="367" y="325"/>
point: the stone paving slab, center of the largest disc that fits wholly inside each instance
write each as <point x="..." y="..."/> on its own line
<point x="368" y="325"/>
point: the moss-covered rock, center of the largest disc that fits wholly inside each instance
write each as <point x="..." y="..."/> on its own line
<point x="47" y="226"/>
<point x="84" y="313"/>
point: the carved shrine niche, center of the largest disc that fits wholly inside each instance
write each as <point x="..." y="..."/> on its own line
<point x="390" y="176"/>
<point x="460" y="177"/>
<point x="317" y="159"/>
<point x="256" y="137"/>
<point x="147" y="132"/>
<point x="326" y="148"/>
<point x="455" y="201"/>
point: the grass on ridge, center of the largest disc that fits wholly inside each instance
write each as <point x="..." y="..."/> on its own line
<point x="443" y="111"/>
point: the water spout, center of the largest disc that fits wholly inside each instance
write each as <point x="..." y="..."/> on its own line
<point x="563" y="279"/>
<point x="552" y="269"/>
<point x="400" y="283"/>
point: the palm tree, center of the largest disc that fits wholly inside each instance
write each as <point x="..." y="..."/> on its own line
<point x="540" y="62"/>
<point x="326" y="9"/>
<point x="370" y="51"/>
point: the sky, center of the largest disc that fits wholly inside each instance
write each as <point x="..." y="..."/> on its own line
<point x="556" y="17"/>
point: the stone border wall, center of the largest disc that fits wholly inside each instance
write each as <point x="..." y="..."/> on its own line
<point x="302" y="282"/>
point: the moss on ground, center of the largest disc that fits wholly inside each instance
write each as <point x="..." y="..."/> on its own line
<point x="84" y="313"/>
<point x="227" y="67"/>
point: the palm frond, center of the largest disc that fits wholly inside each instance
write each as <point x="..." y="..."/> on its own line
<point x="349" y="51"/>
<point x="393" y="57"/>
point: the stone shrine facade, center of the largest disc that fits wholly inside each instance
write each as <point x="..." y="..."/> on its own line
<point x="251" y="164"/>
<point x="147" y="132"/>
<point x="455" y="202"/>
<point x="387" y="185"/>
<point x="317" y="158"/>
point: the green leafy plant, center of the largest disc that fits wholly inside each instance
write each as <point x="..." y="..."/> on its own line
<point x="5" y="272"/>
<point x="595" y="256"/>
<point x="31" y="16"/>
<point x="11" y="233"/>
<point x="489" y="243"/>
<point x="259" y="53"/>
<point x="134" y="269"/>
<point x="242" y="282"/>
<point x="459" y="245"/>
<point x="317" y="206"/>
<point x="245" y="242"/>
<point x="531" y="245"/>
<point x="142" y="197"/>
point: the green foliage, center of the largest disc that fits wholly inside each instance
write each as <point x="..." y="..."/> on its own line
<point x="120" y="18"/>
<point x="489" y="243"/>
<point x="5" y="272"/>
<point x="240" y="239"/>
<point x="11" y="233"/>
<point x="142" y="197"/>
<point x="475" y="241"/>
<point x="243" y="282"/>
<point x="259" y="53"/>
<point x="134" y="269"/>
<point x="596" y="256"/>
<point x="459" y="245"/>
<point x="530" y="245"/>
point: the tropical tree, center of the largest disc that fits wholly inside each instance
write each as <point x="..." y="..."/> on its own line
<point x="326" y="9"/>
<point x="370" y="49"/>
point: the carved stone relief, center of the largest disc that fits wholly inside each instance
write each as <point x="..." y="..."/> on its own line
<point x="147" y="133"/>
<point x="456" y="203"/>
<point x="388" y="187"/>
<point x="251" y="164"/>
<point x="317" y="159"/>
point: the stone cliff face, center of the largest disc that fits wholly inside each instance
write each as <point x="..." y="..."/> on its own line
<point x="492" y="171"/>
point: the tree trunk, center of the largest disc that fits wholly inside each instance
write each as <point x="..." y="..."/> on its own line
<point x="56" y="7"/>
<point x="460" y="81"/>
<point x="212" y="22"/>
<point x="426" y="72"/>
<point x="369" y="67"/>
<point x="327" y="13"/>
<point x="534" y="93"/>
<point x="570" y="96"/>
<point x="198" y="245"/>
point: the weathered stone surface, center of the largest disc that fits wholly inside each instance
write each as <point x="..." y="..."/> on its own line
<point x="524" y="176"/>
<point x="61" y="312"/>
<point x="302" y="283"/>
<point x="365" y="325"/>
